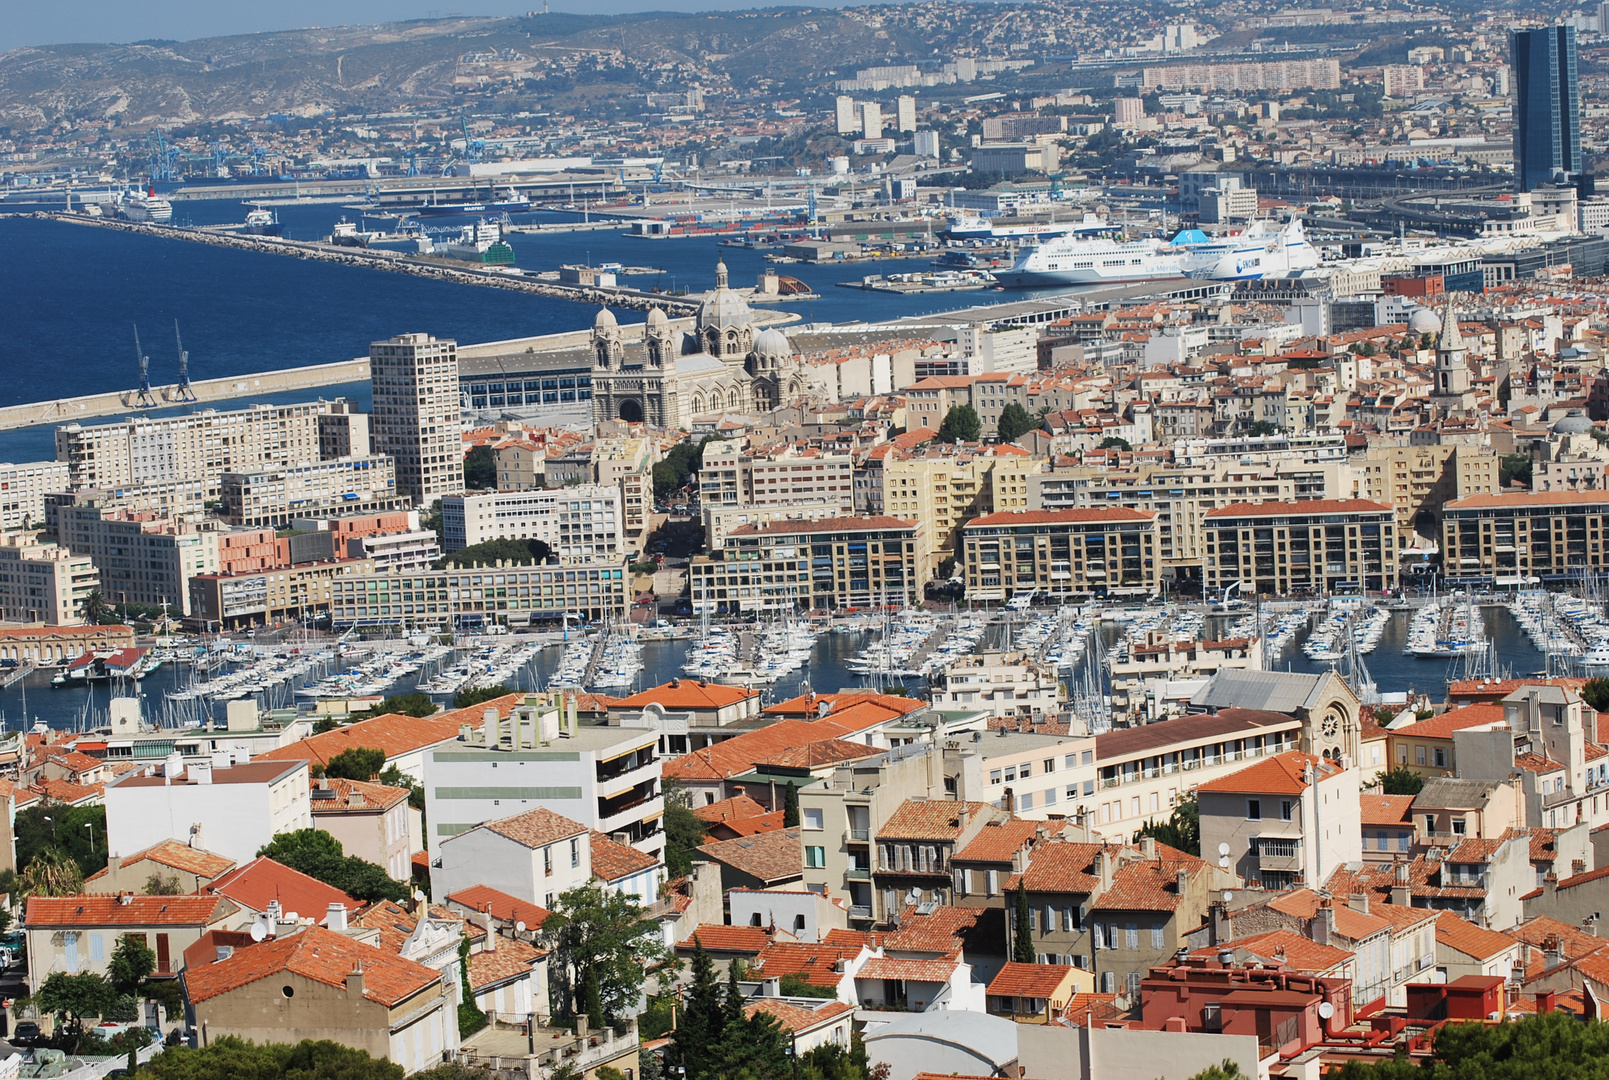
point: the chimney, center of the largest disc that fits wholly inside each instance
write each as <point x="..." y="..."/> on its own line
<point x="1008" y="802"/>
<point x="487" y="924"/>
<point x="491" y="728"/>
<point x="961" y="817"/>
<point x="1181" y="881"/>
<point x="1577" y="867"/>
<point x="1552" y="953"/>
<point x="1533" y="712"/>
<point x="336" y="919"/>
<point x="1546" y="1000"/>
<point x="354" y="981"/>
<point x="1322" y="924"/>
<point x="1148" y="846"/>
<point x="1550" y="887"/>
<point x="1220" y="928"/>
<point x="1358" y="902"/>
<point x="1103" y="870"/>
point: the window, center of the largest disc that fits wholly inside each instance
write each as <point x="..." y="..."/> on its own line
<point x="1131" y="936"/>
<point x="547" y="862"/>
<point x="994" y="776"/>
<point x="1071" y="761"/>
<point x="1430" y="823"/>
<point x="1068" y="919"/>
<point x="1284" y="809"/>
<point x="97" y="948"/>
<point x="1441" y="757"/>
<point x="1011" y="773"/>
<point x="1402" y="754"/>
<point x="1402" y="841"/>
<point x="811" y="819"/>
<point x="1088" y="757"/>
<point x="1050" y="797"/>
<point x="1158" y="939"/>
<point x="1024" y="772"/>
<point x="1049" y="765"/>
<point x="1419" y="755"/>
<point x="575" y="853"/>
<point x="1254" y="809"/>
<point x="1100" y="937"/>
<point x="815" y="857"/>
<point x="1027" y="802"/>
<point x="1458" y="826"/>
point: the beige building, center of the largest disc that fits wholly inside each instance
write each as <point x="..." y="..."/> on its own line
<point x="1003" y="684"/>
<point x="1315" y="546"/>
<point x="1060" y="552"/>
<point x="520" y="465"/>
<point x="416" y="414"/>
<point x="274" y="497"/>
<point x="23" y="489"/>
<point x="44" y="583"/>
<point x="188" y="868"/>
<point x="1525" y="538"/>
<point x="826" y="565"/>
<point x="254" y="597"/>
<point x="140" y="561"/>
<point x="480" y="595"/>
<point x="77" y="935"/>
<point x="1288" y="818"/>
<point x="372" y="821"/>
<point x="731" y="476"/>
<point x="721" y="520"/>
<point x="942" y="488"/>
<point x="203" y="445"/>
<point x="581" y="524"/>
<point x="1416" y="481"/>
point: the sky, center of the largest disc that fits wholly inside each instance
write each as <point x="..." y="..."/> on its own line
<point x="48" y="22"/>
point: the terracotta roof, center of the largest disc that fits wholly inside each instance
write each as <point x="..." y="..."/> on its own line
<point x="809" y="706"/>
<point x="816" y="754"/>
<point x="928" y="971"/>
<point x="719" y="938"/>
<point x="680" y="694"/>
<point x="1127" y="742"/>
<point x="1469" y="939"/>
<point x="797" y="1018"/>
<point x="1529" y="498"/>
<point x="536" y="828"/>
<point x="1093" y="514"/>
<point x="1000" y="841"/>
<point x="1299" y="506"/>
<point x="1030" y="980"/>
<point x="506" y="908"/>
<point x="199" y="910"/>
<point x="394" y="924"/>
<point x="511" y="959"/>
<point x="355" y="797"/>
<point x="1386" y="809"/>
<point x="741" y="753"/>
<point x="612" y="861"/>
<point x="392" y="733"/>
<point x="1282" y="774"/>
<point x="947" y="931"/>
<point x="1443" y="725"/>
<point x="1149" y="884"/>
<point x="769" y="857"/>
<point x="1299" y="953"/>
<point x="179" y="856"/>
<point x="262" y="880"/>
<point x="1536" y="763"/>
<point x="929" y="819"/>
<point x="65" y="791"/>
<point x="1349" y="923"/>
<point x="1573" y="941"/>
<point x="814" y="962"/>
<point x="740" y="806"/>
<point x="317" y="954"/>
<point x="1061" y="867"/>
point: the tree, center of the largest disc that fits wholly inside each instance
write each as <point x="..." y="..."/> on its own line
<point x="470" y="1018"/>
<point x="700" y="1024"/>
<point x="229" y="1058"/>
<point x="78" y="832"/>
<point x="684" y="832"/>
<point x="1228" y="1070"/>
<point x="1014" y="423"/>
<point x="51" y="873"/>
<point x="1022" y="929"/>
<point x="1113" y="442"/>
<point x="160" y="885"/>
<point x="357" y="763"/>
<point x="73" y="997"/>
<point x="96" y="609"/>
<point x="414" y="704"/>
<point x="1545" y="1045"/>
<point x="961" y="424"/>
<point x="319" y="855"/>
<point x="476" y="695"/>
<point x="796" y="984"/>
<point x="1262" y="427"/>
<point x="1514" y="468"/>
<point x="1182" y="830"/>
<point x="605" y="933"/>
<point x="480" y="468"/>
<point x="132" y="962"/>
<point x="489" y="553"/>
<point x="1595" y="692"/>
<point x="790" y="807"/>
<point x="1400" y="780"/>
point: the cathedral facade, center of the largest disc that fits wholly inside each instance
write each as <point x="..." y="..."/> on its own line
<point x="720" y="365"/>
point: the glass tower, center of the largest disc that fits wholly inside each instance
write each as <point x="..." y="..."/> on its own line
<point x="1547" y="107"/>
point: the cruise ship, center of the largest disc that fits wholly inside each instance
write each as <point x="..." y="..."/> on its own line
<point x="1261" y="251"/>
<point x="138" y="206"/>
<point x="975" y="227"/>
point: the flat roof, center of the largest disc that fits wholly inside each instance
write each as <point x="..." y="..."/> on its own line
<point x="251" y="772"/>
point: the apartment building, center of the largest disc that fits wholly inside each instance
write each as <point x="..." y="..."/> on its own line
<point x="825" y="565"/>
<point x="1004" y="684"/>
<point x="202" y="446"/>
<point x="44" y="583"/>
<point x="1288" y="818"/>
<point x="606" y="778"/>
<point x="141" y="561"/>
<point x="397" y="552"/>
<point x="626" y="463"/>
<point x="1109" y="551"/>
<point x="733" y="476"/>
<point x="1525" y="537"/>
<point x="942" y="487"/>
<point x="913" y="849"/>
<point x="416" y="414"/>
<point x="1030" y="775"/>
<point x="581" y="524"/>
<point x="521" y="465"/>
<point x="1314" y="546"/>
<point x="273" y="497"/>
<point x="720" y="520"/>
<point x="1161" y="671"/>
<point x="230" y="810"/>
<point x="1417" y="481"/>
<point x="480" y="596"/>
<point x="251" y="598"/>
<point x="23" y="489"/>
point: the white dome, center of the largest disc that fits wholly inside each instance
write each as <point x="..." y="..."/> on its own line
<point x="657" y="317"/>
<point x="722" y="307"/>
<point x="1424" y="321"/>
<point x="605" y="320"/>
<point x="773" y="342"/>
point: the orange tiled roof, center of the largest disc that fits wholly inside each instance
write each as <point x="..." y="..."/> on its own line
<point x="393" y="733"/>
<point x="720" y="938"/>
<point x="263" y="880"/>
<point x="813" y="961"/>
<point x="1282" y="774"/>
<point x="796" y="1018"/>
<point x="1299" y="506"/>
<point x="1443" y="726"/>
<point x="770" y="857"/>
<point x="511" y="959"/>
<point x="1030" y="980"/>
<point x="739" y="806"/>
<point x="680" y="694"/>
<point x="1469" y="939"/>
<point x="929" y="819"/>
<point x="1296" y="951"/>
<point x="317" y="954"/>
<point x="536" y="828"/>
<point x="928" y="971"/>
<point x="179" y="856"/>
<point x="612" y="861"/>
<point x="197" y="910"/>
<point x="503" y="907"/>
<point x="1386" y="809"/>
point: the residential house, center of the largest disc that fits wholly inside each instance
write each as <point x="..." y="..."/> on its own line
<point x="77" y="934"/>
<point x="1463" y="948"/>
<point x="1288" y="818"/>
<point x="233" y="810"/>
<point x="373" y="822"/>
<point x="263" y="886"/>
<point x="915" y="845"/>
<point x="180" y="868"/>
<point x="1037" y="993"/>
<point x="1387" y="823"/>
<point x="535" y="856"/>
<point x="762" y="861"/>
<point x="808" y="1022"/>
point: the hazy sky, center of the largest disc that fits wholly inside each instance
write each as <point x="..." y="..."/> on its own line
<point x="41" y="22"/>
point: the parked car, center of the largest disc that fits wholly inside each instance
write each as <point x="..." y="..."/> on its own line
<point x="27" y="1033"/>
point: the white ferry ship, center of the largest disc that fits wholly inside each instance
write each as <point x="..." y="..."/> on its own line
<point x="1261" y="251"/>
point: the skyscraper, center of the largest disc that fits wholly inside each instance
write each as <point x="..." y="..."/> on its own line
<point x="844" y="114"/>
<point x="871" y="119"/>
<point x="907" y="113"/>
<point x="1547" y="107"/>
<point x="415" y="420"/>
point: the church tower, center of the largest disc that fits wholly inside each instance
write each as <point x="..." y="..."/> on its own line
<point x="1453" y="393"/>
<point x="608" y="348"/>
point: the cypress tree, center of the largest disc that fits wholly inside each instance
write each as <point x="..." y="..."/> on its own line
<point x="790" y="807"/>
<point x="1022" y="933"/>
<point x="699" y="1026"/>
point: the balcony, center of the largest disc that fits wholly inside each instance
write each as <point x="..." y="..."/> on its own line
<point x="857" y="836"/>
<point x="858" y="873"/>
<point x="861" y="912"/>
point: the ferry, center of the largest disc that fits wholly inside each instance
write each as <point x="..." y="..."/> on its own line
<point x="974" y="227"/>
<point x="260" y="222"/>
<point x="139" y="206"/>
<point x="511" y="203"/>
<point x="1261" y="251"/>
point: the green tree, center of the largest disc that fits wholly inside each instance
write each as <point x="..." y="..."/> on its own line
<point x="1014" y="423"/>
<point x="960" y="424"/>
<point x="1595" y="692"/>
<point x="1022" y="929"/>
<point x="163" y="885"/>
<point x="319" y="855"/>
<point x="480" y="468"/>
<point x="795" y="984"/>
<point x="131" y="963"/>
<point x="78" y="832"/>
<point x="684" y="832"/>
<point x="514" y="552"/>
<point x="96" y="610"/>
<point x="470" y="1018"/>
<point x="74" y="997"/>
<point x="476" y="695"/>
<point x="700" y="1024"/>
<point x="413" y="704"/>
<point x="1262" y="427"/>
<point x="1514" y="468"/>
<point x="604" y="933"/>
<point x="1113" y="442"/>
<point x="750" y="1046"/>
<point x="356" y="763"/>
<point x="51" y="873"/>
<point x="1228" y="1070"/>
<point x="1400" y="780"/>
<point x="790" y="807"/>
<point x="229" y="1058"/>
<point x="1182" y="829"/>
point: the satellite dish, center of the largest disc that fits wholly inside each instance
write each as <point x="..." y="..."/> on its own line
<point x="519" y="927"/>
<point x="257" y="931"/>
<point x="1223" y="849"/>
<point x="1228" y="896"/>
<point x="913" y="896"/>
<point x="1325" y="1010"/>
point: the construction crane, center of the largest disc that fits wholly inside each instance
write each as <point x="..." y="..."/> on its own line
<point x="183" y="391"/>
<point x="144" y="400"/>
<point x="163" y="157"/>
<point x="473" y="148"/>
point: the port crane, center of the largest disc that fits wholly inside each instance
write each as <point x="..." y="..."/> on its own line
<point x="144" y="400"/>
<point x="163" y="157"/>
<point x="474" y="149"/>
<point x="182" y="392"/>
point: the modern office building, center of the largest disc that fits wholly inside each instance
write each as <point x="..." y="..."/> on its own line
<point x="1547" y="107"/>
<point x="416" y="414"/>
<point x="581" y="524"/>
<point x="1312" y="545"/>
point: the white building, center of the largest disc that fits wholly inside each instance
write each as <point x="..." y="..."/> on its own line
<point x="871" y="120"/>
<point x="23" y="489"/>
<point x="416" y="414"/>
<point x="1005" y="684"/>
<point x="907" y="113"/>
<point x="398" y="552"/>
<point x="607" y="778"/>
<point x="927" y="144"/>
<point x="580" y="524"/>
<point x="273" y="497"/>
<point x="995" y="350"/>
<point x="1290" y="816"/>
<point x="536" y="855"/>
<point x="844" y="116"/>
<point x="231" y="810"/>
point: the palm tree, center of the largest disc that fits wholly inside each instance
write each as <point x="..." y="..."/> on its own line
<point x="96" y="609"/>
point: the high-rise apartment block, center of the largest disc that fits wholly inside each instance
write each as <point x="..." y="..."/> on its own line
<point x="23" y="489"/>
<point x="1547" y="107"/>
<point x="871" y="120"/>
<point x="844" y="115"/>
<point x="907" y="113"/>
<point x="927" y="144"/>
<point x="415" y="419"/>
<point x="44" y="583"/>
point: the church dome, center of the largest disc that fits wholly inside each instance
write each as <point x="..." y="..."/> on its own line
<point x="657" y="317"/>
<point x="723" y="307"/>
<point x="773" y="342"/>
<point x="605" y="320"/>
<point x="1424" y="321"/>
<point x="1574" y="422"/>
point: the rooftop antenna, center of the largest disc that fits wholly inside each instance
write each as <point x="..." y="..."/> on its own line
<point x="183" y="392"/>
<point x="144" y="400"/>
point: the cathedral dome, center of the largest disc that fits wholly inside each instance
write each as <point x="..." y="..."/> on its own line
<point x="657" y="317"/>
<point x="1574" y="422"/>
<point x="773" y="342"/>
<point x="722" y="307"/>
<point x="605" y="320"/>
<point x="1424" y="321"/>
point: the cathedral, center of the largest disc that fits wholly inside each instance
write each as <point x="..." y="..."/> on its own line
<point x="720" y="365"/>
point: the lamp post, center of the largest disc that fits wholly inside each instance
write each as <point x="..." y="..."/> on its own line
<point x="90" y="825"/>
